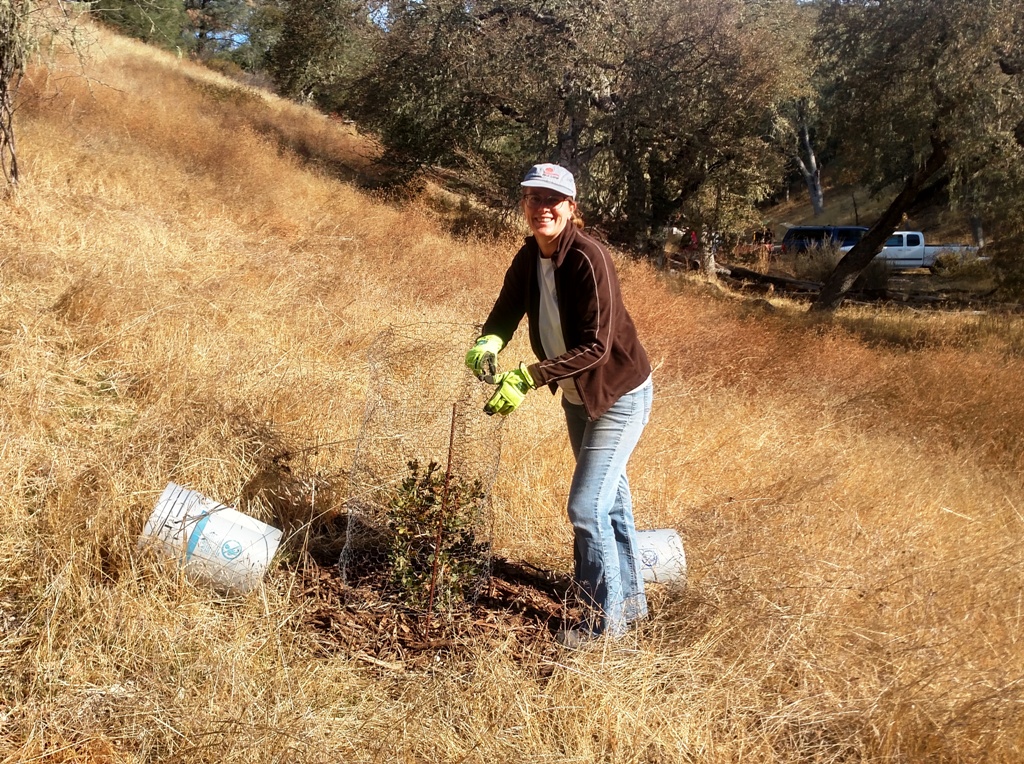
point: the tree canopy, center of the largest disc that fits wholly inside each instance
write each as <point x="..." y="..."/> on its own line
<point x="924" y="93"/>
<point x="670" y="112"/>
<point x="158" y="23"/>
<point x="662" y="109"/>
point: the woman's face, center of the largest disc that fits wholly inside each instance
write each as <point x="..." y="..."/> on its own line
<point x="547" y="212"/>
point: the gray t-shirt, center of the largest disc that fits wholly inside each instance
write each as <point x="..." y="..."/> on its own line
<point x="550" y="324"/>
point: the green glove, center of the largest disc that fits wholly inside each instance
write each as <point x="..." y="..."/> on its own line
<point x="482" y="358"/>
<point x="512" y="389"/>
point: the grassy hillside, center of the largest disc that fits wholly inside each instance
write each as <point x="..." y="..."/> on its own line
<point x="190" y="286"/>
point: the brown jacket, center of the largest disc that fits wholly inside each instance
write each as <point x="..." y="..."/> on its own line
<point x="604" y="358"/>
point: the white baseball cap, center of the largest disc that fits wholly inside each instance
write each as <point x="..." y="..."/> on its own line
<point x="551" y="176"/>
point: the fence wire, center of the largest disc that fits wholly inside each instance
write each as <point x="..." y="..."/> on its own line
<point x="419" y="511"/>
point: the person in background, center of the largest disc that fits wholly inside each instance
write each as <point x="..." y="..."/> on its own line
<point x="565" y="283"/>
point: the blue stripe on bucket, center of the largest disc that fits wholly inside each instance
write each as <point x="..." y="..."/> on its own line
<point x="194" y="538"/>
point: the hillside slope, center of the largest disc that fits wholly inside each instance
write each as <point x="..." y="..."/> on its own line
<point x="189" y="291"/>
<point x="852" y="205"/>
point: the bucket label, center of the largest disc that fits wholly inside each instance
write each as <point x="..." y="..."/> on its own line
<point x="197" y="534"/>
<point x="230" y="549"/>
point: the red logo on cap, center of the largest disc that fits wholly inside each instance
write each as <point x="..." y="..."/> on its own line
<point x="550" y="171"/>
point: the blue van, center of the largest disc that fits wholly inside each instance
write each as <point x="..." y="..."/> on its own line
<point x="801" y="238"/>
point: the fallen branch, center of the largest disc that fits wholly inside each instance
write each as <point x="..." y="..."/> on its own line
<point x="744" y="278"/>
<point x="779" y="282"/>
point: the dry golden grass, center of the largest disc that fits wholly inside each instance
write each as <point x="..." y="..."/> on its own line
<point x="184" y="294"/>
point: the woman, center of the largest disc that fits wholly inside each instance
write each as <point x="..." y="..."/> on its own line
<point x="565" y="283"/>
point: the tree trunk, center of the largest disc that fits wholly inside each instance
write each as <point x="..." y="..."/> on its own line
<point x="635" y="203"/>
<point x="812" y="173"/>
<point x="707" y="263"/>
<point x="567" y="144"/>
<point x="978" y="231"/>
<point x="708" y="249"/>
<point x="857" y="259"/>
<point x="8" y="149"/>
<point x="12" y="66"/>
<point x="710" y="240"/>
<point x="655" y="245"/>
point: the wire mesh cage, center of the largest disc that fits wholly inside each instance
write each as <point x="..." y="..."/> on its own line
<point x="419" y="512"/>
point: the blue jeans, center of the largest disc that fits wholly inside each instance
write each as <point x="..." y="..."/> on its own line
<point x="607" y="561"/>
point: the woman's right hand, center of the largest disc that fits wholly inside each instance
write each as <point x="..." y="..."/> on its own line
<point x="482" y="358"/>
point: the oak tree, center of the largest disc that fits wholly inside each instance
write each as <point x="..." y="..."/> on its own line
<point x="922" y="93"/>
<point x="662" y="108"/>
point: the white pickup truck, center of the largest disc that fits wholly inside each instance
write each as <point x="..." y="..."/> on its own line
<point x="906" y="249"/>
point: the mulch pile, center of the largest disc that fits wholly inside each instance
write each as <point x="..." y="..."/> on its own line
<point x="363" y="621"/>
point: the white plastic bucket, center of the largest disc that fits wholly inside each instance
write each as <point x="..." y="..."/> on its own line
<point x="661" y="556"/>
<point x="226" y="548"/>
